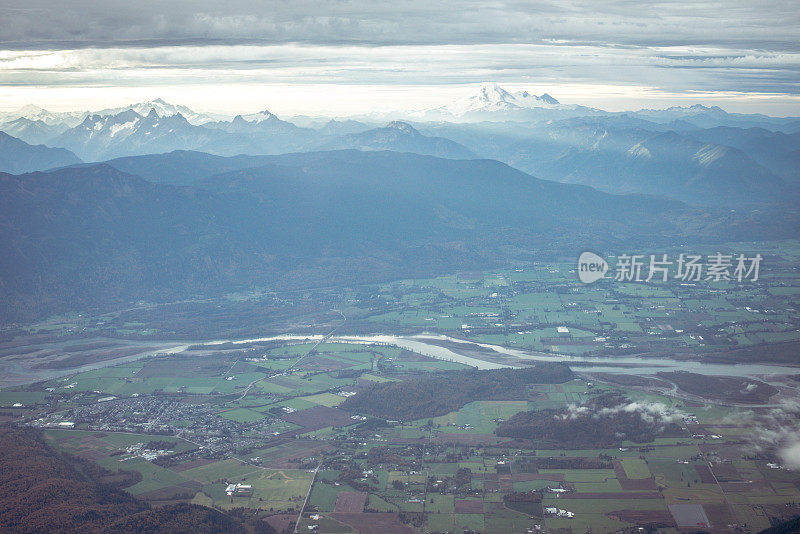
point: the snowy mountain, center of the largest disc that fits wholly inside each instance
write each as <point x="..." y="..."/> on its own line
<point x="264" y="122"/>
<point x="51" y="118"/>
<point x="129" y="133"/>
<point x="71" y="119"/>
<point x="164" y="109"/>
<point x="35" y="132"/>
<point x="678" y="112"/>
<point x="492" y="97"/>
<point x="493" y="103"/>
<point x="261" y="116"/>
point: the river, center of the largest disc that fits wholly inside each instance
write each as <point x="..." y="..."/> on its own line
<point x="424" y="344"/>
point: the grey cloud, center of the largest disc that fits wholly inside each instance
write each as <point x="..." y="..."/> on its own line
<point x="50" y="24"/>
<point x="733" y="45"/>
<point x="440" y="64"/>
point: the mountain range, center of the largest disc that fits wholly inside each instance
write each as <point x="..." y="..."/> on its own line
<point x="94" y="235"/>
<point x="101" y="137"/>
<point x="730" y="167"/>
<point x="700" y="155"/>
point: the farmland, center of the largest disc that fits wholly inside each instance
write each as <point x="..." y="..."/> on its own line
<point x="538" y="306"/>
<point x="445" y="473"/>
<point x="351" y="424"/>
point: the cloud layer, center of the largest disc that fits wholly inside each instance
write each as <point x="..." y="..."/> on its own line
<point x="729" y="46"/>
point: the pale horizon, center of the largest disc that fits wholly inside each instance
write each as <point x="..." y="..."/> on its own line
<point x="336" y="100"/>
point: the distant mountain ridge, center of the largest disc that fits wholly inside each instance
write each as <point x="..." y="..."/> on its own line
<point x="710" y="157"/>
<point x="488" y="101"/>
<point x="400" y="136"/>
<point x="34" y="132"/>
<point x="35" y="113"/>
<point x="127" y="133"/>
<point x="624" y="154"/>
<point x="17" y="156"/>
<point x="92" y="235"/>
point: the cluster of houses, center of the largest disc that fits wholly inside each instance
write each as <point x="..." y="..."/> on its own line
<point x="139" y="449"/>
<point x="239" y="490"/>
<point x="557" y="512"/>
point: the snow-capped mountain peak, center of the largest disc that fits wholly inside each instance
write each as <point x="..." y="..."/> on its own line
<point x="544" y="97"/>
<point x="261" y="116"/>
<point x="107" y="136"/>
<point x="30" y="109"/>
<point x="492" y="92"/>
<point x="680" y="113"/>
<point x="116" y="126"/>
<point x="403" y="127"/>
<point x="162" y="109"/>
<point x="74" y="118"/>
<point x="489" y="101"/>
<point x="488" y="97"/>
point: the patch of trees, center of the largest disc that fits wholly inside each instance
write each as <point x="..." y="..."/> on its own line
<point x="41" y="491"/>
<point x="792" y="525"/>
<point x="349" y="373"/>
<point x="570" y="462"/>
<point x="416" y="519"/>
<point x="528" y="502"/>
<point x="161" y="445"/>
<point x="524" y="496"/>
<point x="351" y="473"/>
<point x="354" y="477"/>
<point x="405" y="458"/>
<point x="121" y="478"/>
<point x="187" y="518"/>
<point x="373" y="424"/>
<point x="599" y="423"/>
<point x="169" y="460"/>
<point x="463" y="477"/>
<point x="460" y="482"/>
<point x="438" y="394"/>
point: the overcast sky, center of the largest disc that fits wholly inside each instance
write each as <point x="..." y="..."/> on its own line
<point x="342" y="57"/>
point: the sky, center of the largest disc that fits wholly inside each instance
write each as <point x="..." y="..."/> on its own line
<point x="348" y="57"/>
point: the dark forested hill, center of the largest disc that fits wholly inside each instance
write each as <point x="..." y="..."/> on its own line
<point x="97" y="232"/>
<point x="95" y="236"/>
<point x="41" y="492"/>
<point x="436" y="395"/>
<point x="183" y="167"/>
<point x="600" y="422"/>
